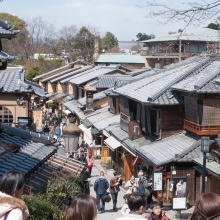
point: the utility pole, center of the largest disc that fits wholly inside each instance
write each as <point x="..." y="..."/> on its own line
<point x="180" y="50"/>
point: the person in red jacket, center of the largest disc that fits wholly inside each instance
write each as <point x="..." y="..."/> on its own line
<point x="156" y="213"/>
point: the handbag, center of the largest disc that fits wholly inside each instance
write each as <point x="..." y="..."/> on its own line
<point x="106" y="197"/>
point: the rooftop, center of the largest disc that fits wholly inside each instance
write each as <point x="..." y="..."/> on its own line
<point x="12" y="80"/>
<point x="119" y="58"/>
<point x="169" y="149"/>
<point x="200" y="34"/>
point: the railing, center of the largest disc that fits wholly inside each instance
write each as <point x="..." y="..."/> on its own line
<point x="201" y="129"/>
<point x="166" y="53"/>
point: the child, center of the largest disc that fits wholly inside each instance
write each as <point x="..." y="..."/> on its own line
<point x="156" y="213"/>
<point x="125" y="209"/>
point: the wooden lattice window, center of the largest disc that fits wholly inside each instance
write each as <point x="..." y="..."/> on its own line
<point x="6" y="115"/>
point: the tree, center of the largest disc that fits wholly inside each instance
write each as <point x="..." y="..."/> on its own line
<point x="190" y="12"/>
<point x="66" y="36"/>
<point x="143" y="36"/>
<point x="83" y="44"/>
<point x="109" y="41"/>
<point x="213" y="26"/>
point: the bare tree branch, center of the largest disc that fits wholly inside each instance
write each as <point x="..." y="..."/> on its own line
<point x="193" y="12"/>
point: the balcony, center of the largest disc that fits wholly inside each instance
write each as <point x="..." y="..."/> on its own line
<point x="201" y="129"/>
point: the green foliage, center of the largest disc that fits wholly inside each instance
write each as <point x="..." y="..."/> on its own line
<point x="63" y="188"/>
<point x="84" y="44"/>
<point x="41" y="66"/>
<point x="34" y="71"/>
<point x="143" y="36"/>
<point x="41" y="209"/>
<point x="18" y="23"/>
<point x="213" y="26"/>
<point x="110" y="41"/>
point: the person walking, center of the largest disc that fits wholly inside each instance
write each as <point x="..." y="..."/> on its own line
<point x="11" y="189"/>
<point x="90" y="162"/>
<point x="115" y="182"/>
<point x="100" y="187"/>
<point x="83" y="207"/>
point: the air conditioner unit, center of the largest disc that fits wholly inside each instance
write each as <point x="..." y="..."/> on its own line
<point x="134" y="130"/>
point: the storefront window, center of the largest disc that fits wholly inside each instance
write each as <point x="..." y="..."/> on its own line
<point x="6" y="115"/>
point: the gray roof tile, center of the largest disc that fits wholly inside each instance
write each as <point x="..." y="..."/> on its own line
<point x="12" y="81"/>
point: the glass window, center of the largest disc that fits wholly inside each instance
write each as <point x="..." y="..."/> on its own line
<point x="6" y="115"/>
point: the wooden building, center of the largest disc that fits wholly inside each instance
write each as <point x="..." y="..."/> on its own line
<point x="161" y="51"/>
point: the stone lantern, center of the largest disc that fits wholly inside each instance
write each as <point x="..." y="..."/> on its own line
<point x="71" y="135"/>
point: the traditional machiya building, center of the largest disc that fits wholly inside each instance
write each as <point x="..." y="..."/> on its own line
<point x="162" y="118"/>
<point x="127" y="60"/>
<point x="94" y="113"/>
<point x="16" y="95"/>
<point x="173" y="48"/>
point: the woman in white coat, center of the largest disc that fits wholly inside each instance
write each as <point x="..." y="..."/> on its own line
<point x="11" y="189"/>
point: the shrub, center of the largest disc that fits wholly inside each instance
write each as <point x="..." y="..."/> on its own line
<point x="41" y="209"/>
<point x="62" y="189"/>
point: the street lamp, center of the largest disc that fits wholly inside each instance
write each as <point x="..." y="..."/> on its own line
<point x="204" y="149"/>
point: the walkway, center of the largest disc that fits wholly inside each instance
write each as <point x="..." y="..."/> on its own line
<point x="109" y="214"/>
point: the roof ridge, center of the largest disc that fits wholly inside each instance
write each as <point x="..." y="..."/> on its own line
<point x="178" y="78"/>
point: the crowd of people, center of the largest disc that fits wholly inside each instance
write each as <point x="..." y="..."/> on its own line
<point x="84" y="207"/>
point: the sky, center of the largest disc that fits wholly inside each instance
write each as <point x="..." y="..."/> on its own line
<point x="124" y="18"/>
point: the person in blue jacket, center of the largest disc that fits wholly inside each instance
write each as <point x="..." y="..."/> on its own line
<point x="100" y="186"/>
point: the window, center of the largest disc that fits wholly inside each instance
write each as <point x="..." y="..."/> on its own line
<point x="6" y="116"/>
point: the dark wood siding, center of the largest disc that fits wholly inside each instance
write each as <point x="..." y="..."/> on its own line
<point x="172" y="120"/>
<point x="211" y="112"/>
<point x="191" y="108"/>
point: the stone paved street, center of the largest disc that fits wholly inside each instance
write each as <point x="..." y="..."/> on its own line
<point x="109" y="214"/>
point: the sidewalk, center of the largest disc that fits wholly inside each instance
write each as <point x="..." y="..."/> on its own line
<point x="109" y="214"/>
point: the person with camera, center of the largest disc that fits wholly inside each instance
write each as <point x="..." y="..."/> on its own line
<point x="115" y="182"/>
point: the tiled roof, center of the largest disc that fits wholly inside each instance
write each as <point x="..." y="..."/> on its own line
<point x="70" y="65"/>
<point x="211" y="165"/>
<point x="73" y="107"/>
<point x="32" y="151"/>
<point x="71" y="75"/>
<point x="119" y="58"/>
<point x="169" y="149"/>
<point x="12" y="80"/>
<point x="92" y="74"/>
<point x="200" y="34"/>
<point x="156" y="87"/>
<point x="58" y="75"/>
<point x="96" y="97"/>
<point x="101" y="120"/>
<point x="202" y="81"/>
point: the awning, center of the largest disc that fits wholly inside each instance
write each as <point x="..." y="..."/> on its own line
<point x="212" y="166"/>
<point x="112" y="143"/>
<point x="106" y="133"/>
<point x="87" y="135"/>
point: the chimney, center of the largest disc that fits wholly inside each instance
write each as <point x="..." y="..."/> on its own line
<point x="90" y="90"/>
<point x="96" y="49"/>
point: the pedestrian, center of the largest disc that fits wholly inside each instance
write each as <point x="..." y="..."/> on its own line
<point x="83" y="207"/>
<point x="141" y="182"/>
<point x="82" y="157"/>
<point x="11" y="189"/>
<point x="90" y="162"/>
<point x="131" y="185"/>
<point x="207" y="207"/>
<point x="125" y="209"/>
<point x="137" y="206"/>
<point x="115" y="182"/>
<point x="100" y="186"/>
<point x="156" y="213"/>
